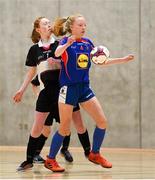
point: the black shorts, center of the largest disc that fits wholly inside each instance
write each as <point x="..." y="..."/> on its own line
<point x="54" y="114"/>
<point x="47" y="97"/>
<point x="48" y="102"/>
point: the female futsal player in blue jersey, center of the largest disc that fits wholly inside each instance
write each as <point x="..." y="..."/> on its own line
<point x="74" y="79"/>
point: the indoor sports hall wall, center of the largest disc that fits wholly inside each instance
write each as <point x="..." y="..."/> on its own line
<point x="126" y="92"/>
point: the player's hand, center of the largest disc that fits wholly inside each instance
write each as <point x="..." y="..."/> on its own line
<point x="53" y="61"/>
<point x="18" y="97"/>
<point x="129" y="57"/>
<point x="70" y="40"/>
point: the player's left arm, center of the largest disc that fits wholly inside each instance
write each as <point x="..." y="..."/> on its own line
<point x="125" y="59"/>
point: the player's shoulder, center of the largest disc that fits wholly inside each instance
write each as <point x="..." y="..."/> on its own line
<point x="32" y="50"/>
<point x="87" y="40"/>
<point x="33" y="47"/>
<point x="63" y="40"/>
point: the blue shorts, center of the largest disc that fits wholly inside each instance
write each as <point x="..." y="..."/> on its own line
<point x="76" y="93"/>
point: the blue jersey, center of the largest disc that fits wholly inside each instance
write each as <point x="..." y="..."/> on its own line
<point x="76" y="62"/>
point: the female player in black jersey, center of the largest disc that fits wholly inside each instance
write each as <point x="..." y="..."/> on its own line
<point x="41" y="59"/>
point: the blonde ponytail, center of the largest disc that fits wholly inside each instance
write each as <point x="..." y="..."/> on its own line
<point x="62" y="26"/>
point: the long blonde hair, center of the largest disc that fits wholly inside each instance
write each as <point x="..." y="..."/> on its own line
<point x="62" y="26"/>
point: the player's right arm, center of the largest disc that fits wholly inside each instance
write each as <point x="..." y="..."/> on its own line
<point x="62" y="47"/>
<point x="28" y="78"/>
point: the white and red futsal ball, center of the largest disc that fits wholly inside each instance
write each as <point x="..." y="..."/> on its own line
<point x="99" y="54"/>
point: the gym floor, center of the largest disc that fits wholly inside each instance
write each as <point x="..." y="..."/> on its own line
<point x="127" y="164"/>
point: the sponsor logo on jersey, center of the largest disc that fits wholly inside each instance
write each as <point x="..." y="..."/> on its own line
<point x="82" y="61"/>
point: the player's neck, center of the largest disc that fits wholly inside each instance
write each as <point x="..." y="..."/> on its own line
<point x="47" y="40"/>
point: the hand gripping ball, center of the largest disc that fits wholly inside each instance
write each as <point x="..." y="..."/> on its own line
<point x="99" y="54"/>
